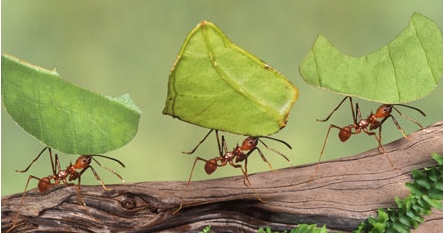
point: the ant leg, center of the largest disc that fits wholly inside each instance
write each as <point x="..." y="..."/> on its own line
<point x="224" y="147"/>
<point x="96" y="175"/>
<point x="188" y="184"/>
<point x="219" y="145"/>
<point x="275" y="151"/>
<point x="80" y="197"/>
<point x="326" y="138"/>
<point x="78" y="188"/>
<point x="322" y="152"/>
<point x="14" y="221"/>
<point x="262" y="156"/>
<point x="200" y="142"/>
<point x="337" y="107"/>
<point x="109" y="169"/>
<point x="357" y="117"/>
<point x="396" y="124"/>
<point x="79" y="192"/>
<point x="36" y="158"/>
<point x="245" y="172"/>
<point x="57" y="164"/>
<point x="246" y="178"/>
<point x="380" y="147"/>
<point x="407" y="117"/>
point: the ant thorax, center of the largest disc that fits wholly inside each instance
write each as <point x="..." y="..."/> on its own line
<point x="231" y="154"/>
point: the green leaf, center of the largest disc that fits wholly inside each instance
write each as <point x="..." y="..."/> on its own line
<point x="434" y="203"/>
<point x="406" y="69"/>
<point x="408" y="221"/>
<point x="401" y="228"/>
<point x="378" y="228"/>
<point x="439" y="184"/>
<point x="438" y="158"/>
<point x="267" y="229"/>
<point x="218" y="85"/>
<point x="63" y="116"/>
<point x="418" y="208"/>
<point x="435" y="193"/>
<point x="424" y="182"/>
<point x="416" y="188"/>
<point x="207" y="229"/>
<point x="423" y="206"/>
<point x="379" y="223"/>
<point x="415" y="216"/>
<point x="432" y="174"/>
<point x="399" y="202"/>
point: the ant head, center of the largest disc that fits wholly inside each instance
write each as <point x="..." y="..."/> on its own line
<point x="83" y="162"/>
<point x="383" y="111"/>
<point x="210" y="166"/>
<point x="249" y="143"/>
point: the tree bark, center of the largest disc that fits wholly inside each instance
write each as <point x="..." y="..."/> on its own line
<point x="345" y="192"/>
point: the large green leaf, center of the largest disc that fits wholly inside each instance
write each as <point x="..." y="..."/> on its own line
<point x="63" y="116"/>
<point x="406" y="69"/>
<point x="218" y="85"/>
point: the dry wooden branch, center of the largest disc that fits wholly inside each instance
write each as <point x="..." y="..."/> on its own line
<point x="345" y="192"/>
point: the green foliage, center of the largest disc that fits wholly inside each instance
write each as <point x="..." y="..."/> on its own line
<point x="426" y="193"/>
<point x="218" y="85"/>
<point x="63" y="116"/>
<point x="207" y="229"/>
<point x="302" y="228"/>
<point x="406" y="69"/>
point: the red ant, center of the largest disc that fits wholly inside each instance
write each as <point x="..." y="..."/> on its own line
<point x="233" y="157"/>
<point x="366" y="125"/>
<point x="65" y="176"/>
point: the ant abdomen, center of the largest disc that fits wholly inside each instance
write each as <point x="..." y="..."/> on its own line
<point x="210" y="166"/>
<point x="44" y="184"/>
<point x="344" y="134"/>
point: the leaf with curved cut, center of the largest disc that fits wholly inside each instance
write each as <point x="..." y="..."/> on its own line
<point x="218" y="85"/>
<point x="406" y="69"/>
<point x="64" y="116"/>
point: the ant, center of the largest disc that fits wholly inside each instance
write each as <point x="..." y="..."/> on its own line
<point x="69" y="174"/>
<point x="366" y="125"/>
<point x="233" y="157"/>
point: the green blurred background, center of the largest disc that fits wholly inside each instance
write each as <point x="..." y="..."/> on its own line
<point x="115" y="47"/>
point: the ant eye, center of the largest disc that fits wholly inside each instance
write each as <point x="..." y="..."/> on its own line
<point x="387" y="108"/>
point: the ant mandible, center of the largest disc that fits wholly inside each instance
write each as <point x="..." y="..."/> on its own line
<point x="69" y="174"/>
<point x="233" y="157"/>
<point x="366" y="125"/>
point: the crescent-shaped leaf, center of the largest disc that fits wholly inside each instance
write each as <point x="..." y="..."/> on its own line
<point x="406" y="69"/>
<point x="64" y="116"/>
<point x="218" y="85"/>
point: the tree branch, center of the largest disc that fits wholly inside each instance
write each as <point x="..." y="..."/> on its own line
<point x="345" y="192"/>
